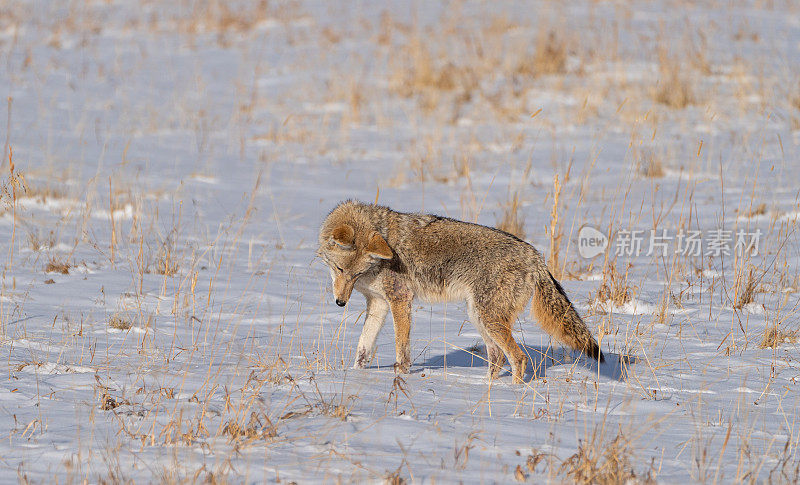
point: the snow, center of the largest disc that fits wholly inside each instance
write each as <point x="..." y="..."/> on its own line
<point x="179" y="158"/>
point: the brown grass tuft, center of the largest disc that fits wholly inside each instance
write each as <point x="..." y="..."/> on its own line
<point x="650" y="164"/>
<point x="551" y="55"/>
<point x="512" y="222"/>
<point x="394" y="478"/>
<point x="338" y="411"/>
<point x="603" y="463"/>
<point x="422" y="72"/>
<point x="519" y="475"/>
<point x="758" y="210"/>
<point x="56" y="266"/>
<point x="37" y="242"/>
<point x="774" y="336"/>
<point x="534" y="459"/>
<point x="794" y="98"/>
<point x="166" y="266"/>
<point x="166" y="261"/>
<point x="748" y="293"/>
<point x="595" y="462"/>
<point x="119" y="322"/>
<point x="258" y="427"/>
<point x="674" y="87"/>
<point x="614" y="287"/>
<point x="109" y="402"/>
<point x="43" y="192"/>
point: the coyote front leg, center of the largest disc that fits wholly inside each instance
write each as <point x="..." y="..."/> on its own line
<point x="377" y="309"/>
<point x="401" y="314"/>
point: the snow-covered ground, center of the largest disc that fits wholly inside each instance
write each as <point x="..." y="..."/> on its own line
<point x="163" y="316"/>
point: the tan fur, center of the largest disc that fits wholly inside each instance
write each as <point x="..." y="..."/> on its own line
<point x="343" y="235"/>
<point x="378" y="248"/>
<point x="392" y="257"/>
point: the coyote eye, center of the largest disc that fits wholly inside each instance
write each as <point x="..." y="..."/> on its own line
<point x="338" y="269"/>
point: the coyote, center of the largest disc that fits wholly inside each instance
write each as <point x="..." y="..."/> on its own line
<point x="391" y="257"/>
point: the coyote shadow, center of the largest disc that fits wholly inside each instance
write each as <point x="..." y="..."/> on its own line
<point x="539" y="360"/>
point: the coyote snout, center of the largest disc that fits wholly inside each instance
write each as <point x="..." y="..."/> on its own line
<point x="342" y="286"/>
<point x="392" y="257"/>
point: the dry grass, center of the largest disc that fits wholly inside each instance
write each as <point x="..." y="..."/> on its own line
<point x="675" y="87"/>
<point x="171" y="475"/>
<point x="512" y="222"/>
<point x="394" y="478"/>
<point x="596" y="462"/>
<point x="332" y="409"/>
<point x="555" y="231"/>
<point x="615" y="287"/>
<point x="166" y="262"/>
<point x="794" y="97"/>
<point x="232" y="17"/>
<point x="549" y="57"/>
<point x="425" y="71"/>
<point x="774" y="336"/>
<point x="787" y="466"/>
<point x="399" y="388"/>
<point x="747" y="293"/>
<point x="758" y="210"/>
<point x="38" y="242"/>
<point x="477" y="63"/>
<point x="257" y="428"/>
<point x="57" y="266"/>
<point x="42" y="192"/>
<point x="108" y="402"/>
<point x="531" y="464"/>
<point x="119" y="322"/>
<point x="650" y="164"/>
<point x="165" y="265"/>
<point x="601" y="463"/>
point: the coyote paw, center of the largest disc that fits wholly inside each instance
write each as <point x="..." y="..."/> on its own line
<point x="401" y="368"/>
<point x="361" y="359"/>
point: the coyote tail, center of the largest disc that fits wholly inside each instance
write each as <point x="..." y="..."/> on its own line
<point x="557" y="316"/>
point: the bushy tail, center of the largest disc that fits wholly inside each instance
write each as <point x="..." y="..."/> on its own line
<point x="557" y="316"/>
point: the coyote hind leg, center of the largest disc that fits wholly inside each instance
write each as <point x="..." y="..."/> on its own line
<point x="494" y="354"/>
<point x="498" y="327"/>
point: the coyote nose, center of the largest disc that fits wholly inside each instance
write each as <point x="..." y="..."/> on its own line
<point x="341" y="302"/>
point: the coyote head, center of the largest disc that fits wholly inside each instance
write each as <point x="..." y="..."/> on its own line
<point x="349" y="256"/>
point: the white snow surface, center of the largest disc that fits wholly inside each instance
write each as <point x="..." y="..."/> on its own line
<point x="175" y="159"/>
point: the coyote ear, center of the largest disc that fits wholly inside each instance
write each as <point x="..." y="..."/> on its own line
<point x="377" y="247"/>
<point x="343" y="236"/>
